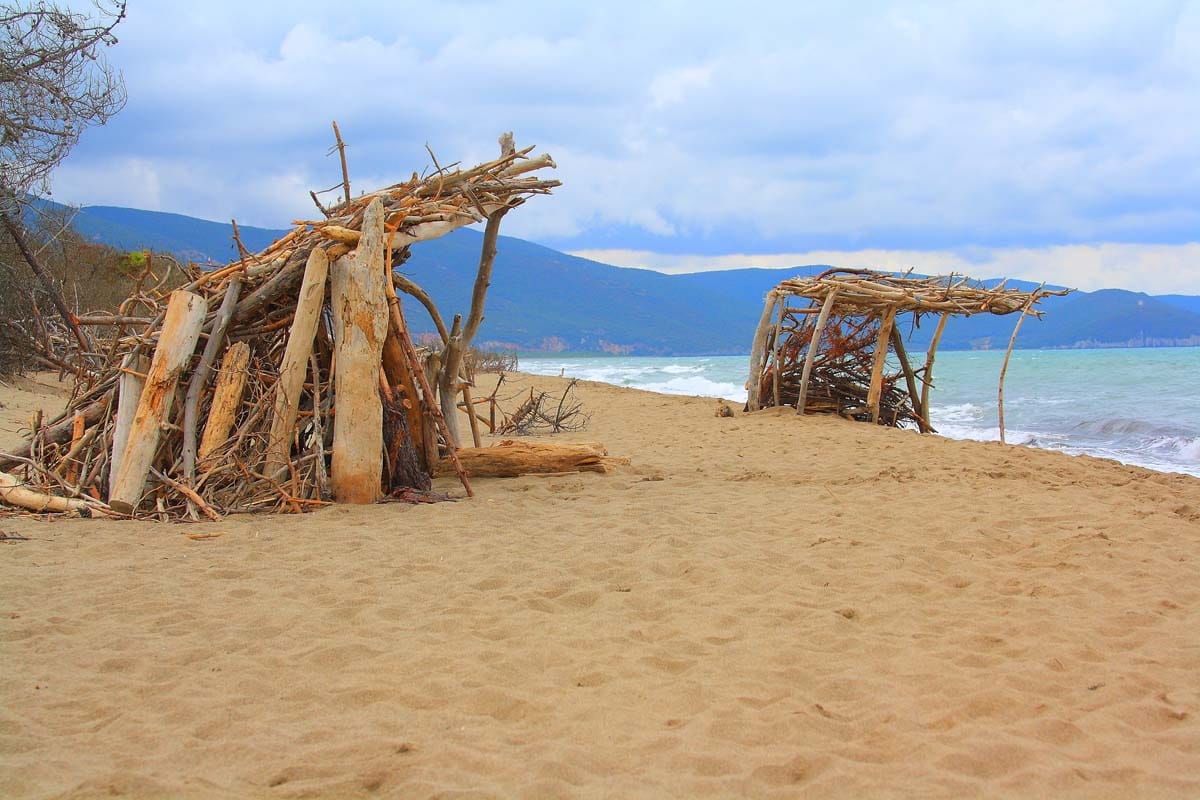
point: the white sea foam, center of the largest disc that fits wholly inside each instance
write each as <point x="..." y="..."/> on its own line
<point x="1073" y="401"/>
<point x="697" y="386"/>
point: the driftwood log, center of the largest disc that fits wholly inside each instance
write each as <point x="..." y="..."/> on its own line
<point x="360" y="318"/>
<point x="180" y="332"/>
<point x="509" y="458"/>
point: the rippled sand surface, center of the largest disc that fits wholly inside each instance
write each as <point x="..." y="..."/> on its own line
<point x="761" y="606"/>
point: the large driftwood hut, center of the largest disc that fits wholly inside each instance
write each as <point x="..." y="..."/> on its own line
<point x="281" y="381"/>
<point x="823" y="343"/>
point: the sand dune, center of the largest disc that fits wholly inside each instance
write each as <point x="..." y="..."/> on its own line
<point x="762" y="606"/>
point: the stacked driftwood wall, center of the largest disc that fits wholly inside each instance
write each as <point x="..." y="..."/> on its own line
<point x="284" y="380"/>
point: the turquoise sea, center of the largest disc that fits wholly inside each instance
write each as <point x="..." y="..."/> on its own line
<point x="1138" y="406"/>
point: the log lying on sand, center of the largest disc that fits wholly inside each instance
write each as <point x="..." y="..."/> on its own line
<point x="509" y="458"/>
<point x="14" y="493"/>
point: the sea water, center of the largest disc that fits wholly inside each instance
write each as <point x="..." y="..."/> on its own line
<point x="1138" y="406"/>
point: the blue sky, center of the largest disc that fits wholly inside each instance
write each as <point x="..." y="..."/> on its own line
<point x="1056" y="141"/>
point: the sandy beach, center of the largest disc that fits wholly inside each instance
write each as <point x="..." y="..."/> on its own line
<point x="757" y="606"/>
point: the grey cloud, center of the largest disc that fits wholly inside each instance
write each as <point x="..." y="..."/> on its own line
<point x="789" y="124"/>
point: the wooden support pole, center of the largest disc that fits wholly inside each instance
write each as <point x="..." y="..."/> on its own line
<point x="227" y="398"/>
<point x="176" y="343"/>
<point x="341" y="146"/>
<point x="814" y="343"/>
<point x="910" y="379"/>
<point x="754" y="382"/>
<point x="129" y="392"/>
<point x="927" y="376"/>
<point x="400" y="373"/>
<point x="1007" y="353"/>
<point x="466" y="393"/>
<point x="295" y="363"/>
<point x="778" y="349"/>
<point x="447" y="380"/>
<point x="360" y="314"/>
<point x="431" y="405"/>
<point x="881" y="351"/>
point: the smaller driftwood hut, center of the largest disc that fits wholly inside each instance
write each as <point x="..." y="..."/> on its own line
<point x="823" y="343"/>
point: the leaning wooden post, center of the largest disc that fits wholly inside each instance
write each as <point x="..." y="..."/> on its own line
<point x="814" y="343"/>
<point x="399" y="372"/>
<point x="448" y="379"/>
<point x="470" y="403"/>
<point x="295" y="362"/>
<point x="191" y="402"/>
<point x="753" y="383"/>
<point x="1004" y="367"/>
<point x="129" y="392"/>
<point x="227" y="399"/>
<point x="927" y="376"/>
<point x="360" y="315"/>
<point x="176" y="343"/>
<point x="910" y="379"/>
<point x="881" y="350"/>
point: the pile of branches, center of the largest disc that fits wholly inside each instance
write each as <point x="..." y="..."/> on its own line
<point x="543" y="412"/>
<point x="233" y="378"/>
<point x="839" y="382"/>
<point x="478" y="361"/>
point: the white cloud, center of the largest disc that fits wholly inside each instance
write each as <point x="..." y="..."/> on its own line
<point x="690" y="127"/>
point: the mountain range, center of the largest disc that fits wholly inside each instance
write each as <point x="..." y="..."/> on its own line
<point x="544" y="300"/>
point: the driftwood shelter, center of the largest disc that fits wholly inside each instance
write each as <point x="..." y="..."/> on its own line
<point x="283" y="380"/>
<point x="823" y="343"/>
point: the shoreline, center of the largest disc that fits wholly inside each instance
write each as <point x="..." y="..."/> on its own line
<point x="761" y="605"/>
<point x="979" y="423"/>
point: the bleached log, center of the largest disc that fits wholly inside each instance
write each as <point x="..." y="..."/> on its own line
<point x="360" y="317"/>
<point x="881" y="351"/>
<point x="176" y="343"/>
<point x="295" y="361"/>
<point x="129" y="392"/>
<point x="510" y="458"/>
<point x="14" y="493"/>
<point x="754" y="382"/>
<point x="227" y="398"/>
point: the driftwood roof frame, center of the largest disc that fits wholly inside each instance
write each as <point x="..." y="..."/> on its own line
<point x="873" y="295"/>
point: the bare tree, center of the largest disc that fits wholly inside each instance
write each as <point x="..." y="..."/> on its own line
<point x="54" y="83"/>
